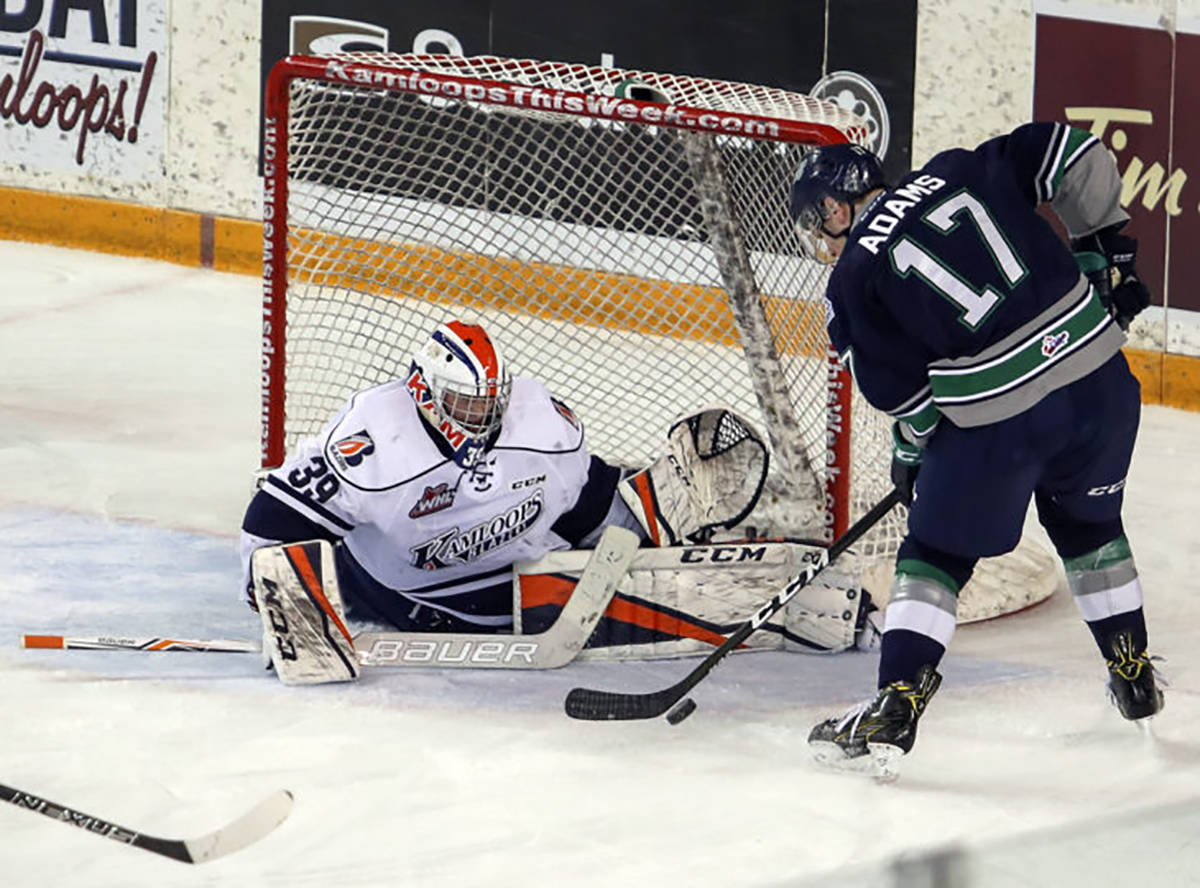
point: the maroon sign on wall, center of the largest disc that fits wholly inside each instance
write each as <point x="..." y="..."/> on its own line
<point x="1116" y="80"/>
<point x="1184" y="267"/>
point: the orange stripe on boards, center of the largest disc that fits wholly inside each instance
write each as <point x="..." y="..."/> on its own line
<point x="299" y="559"/>
<point x="545" y="290"/>
<point x="584" y="296"/>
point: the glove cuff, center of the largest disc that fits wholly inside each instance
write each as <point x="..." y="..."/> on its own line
<point x="904" y="450"/>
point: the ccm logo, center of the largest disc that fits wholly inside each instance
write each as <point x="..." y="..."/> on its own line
<point x="284" y="645"/>
<point x="721" y="554"/>
<point x="1104" y="490"/>
<point x="450" y="651"/>
<point x="528" y="482"/>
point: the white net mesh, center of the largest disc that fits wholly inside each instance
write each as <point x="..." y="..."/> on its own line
<point x="581" y="242"/>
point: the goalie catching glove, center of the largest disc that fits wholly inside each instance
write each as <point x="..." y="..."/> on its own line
<point x="710" y="475"/>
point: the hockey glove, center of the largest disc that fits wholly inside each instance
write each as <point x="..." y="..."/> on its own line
<point x="906" y="462"/>
<point x="1106" y="257"/>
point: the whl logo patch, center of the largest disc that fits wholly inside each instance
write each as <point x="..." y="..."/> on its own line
<point x="353" y="449"/>
<point x="434" y="499"/>
<point x="1054" y="342"/>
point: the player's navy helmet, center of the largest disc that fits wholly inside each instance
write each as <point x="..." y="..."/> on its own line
<point x="843" y="172"/>
<point x="461" y="385"/>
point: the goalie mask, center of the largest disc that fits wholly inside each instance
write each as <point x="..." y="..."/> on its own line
<point x="461" y="386"/>
<point x="843" y="172"/>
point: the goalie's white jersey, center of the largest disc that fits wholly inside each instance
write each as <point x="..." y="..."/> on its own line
<point x="415" y="520"/>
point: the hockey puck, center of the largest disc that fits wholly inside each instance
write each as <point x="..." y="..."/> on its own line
<point x="681" y="711"/>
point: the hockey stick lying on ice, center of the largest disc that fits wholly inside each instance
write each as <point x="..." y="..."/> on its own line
<point x="555" y="647"/>
<point x="246" y="830"/>
<point x="594" y="705"/>
<point x="152" y="643"/>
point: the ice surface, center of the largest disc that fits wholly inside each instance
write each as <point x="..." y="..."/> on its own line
<point x="128" y="434"/>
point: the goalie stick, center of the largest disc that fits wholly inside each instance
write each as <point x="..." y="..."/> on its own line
<point x="555" y="647"/>
<point x="597" y="705"/>
<point x="246" y="830"/>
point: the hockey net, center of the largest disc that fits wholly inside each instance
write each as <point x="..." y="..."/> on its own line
<point x="623" y="235"/>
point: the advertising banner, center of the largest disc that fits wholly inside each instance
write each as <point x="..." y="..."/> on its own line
<point x="858" y="53"/>
<point x="83" y="86"/>
<point x="1133" y="84"/>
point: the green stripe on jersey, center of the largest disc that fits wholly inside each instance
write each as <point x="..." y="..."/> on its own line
<point x="1023" y="360"/>
<point x="1075" y="138"/>
<point x="922" y="420"/>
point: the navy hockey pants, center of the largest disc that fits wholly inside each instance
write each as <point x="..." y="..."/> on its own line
<point x="368" y="599"/>
<point x="1071" y="451"/>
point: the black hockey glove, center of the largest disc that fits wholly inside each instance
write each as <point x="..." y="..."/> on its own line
<point x="906" y="462"/>
<point x="1106" y="257"/>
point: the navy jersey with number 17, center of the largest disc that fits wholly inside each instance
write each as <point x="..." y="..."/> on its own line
<point x="954" y="298"/>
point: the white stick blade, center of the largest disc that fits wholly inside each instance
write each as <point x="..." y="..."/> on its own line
<point x="246" y="830"/>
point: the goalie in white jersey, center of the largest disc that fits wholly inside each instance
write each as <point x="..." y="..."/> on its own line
<point x="436" y="484"/>
<point x="432" y="487"/>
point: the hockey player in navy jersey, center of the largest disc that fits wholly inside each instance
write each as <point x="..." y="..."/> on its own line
<point x="962" y="314"/>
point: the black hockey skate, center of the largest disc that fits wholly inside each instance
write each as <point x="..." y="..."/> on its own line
<point x="1133" y="683"/>
<point x="872" y="736"/>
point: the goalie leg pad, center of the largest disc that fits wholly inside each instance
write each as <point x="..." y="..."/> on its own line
<point x="684" y="600"/>
<point x="834" y="613"/>
<point x="304" y="626"/>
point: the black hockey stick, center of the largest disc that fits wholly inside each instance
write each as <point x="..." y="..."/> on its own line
<point x="593" y="705"/>
<point x="247" y="829"/>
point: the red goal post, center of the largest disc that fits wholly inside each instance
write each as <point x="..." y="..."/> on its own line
<point x="624" y="235"/>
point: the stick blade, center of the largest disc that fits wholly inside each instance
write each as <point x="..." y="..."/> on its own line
<point x="256" y="823"/>
<point x="592" y="705"/>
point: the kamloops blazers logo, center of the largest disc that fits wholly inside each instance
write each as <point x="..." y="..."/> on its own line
<point x="434" y="499"/>
<point x="454" y="547"/>
<point x="566" y="412"/>
<point x="353" y="449"/>
<point x="1053" y="342"/>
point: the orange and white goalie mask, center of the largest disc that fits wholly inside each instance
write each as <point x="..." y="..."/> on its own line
<point x="461" y="386"/>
